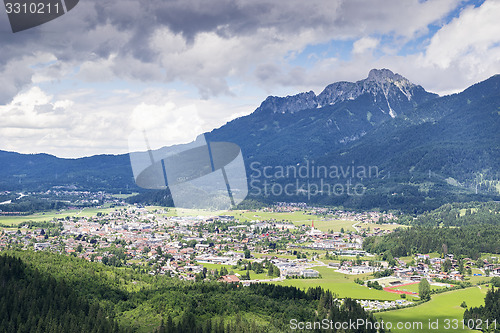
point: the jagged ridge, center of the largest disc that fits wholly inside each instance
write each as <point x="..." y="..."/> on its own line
<point x="392" y="93"/>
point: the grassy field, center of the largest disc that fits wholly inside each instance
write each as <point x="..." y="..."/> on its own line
<point x="341" y="284"/>
<point x="253" y="275"/>
<point x="297" y="218"/>
<point x="414" y="288"/>
<point x="334" y="225"/>
<point x="48" y="216"/>
<point x="440" y="307"/>
<point x="381" y="226"/>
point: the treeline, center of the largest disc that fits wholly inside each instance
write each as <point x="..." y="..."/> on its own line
<point x="164" y="198"/>
<point x="153" y="197"/>
<point x="469" y="241"/>
<point x="133" y="300"/>
<point x="485" y="318"/>
<point x="31" y="205"/>
<point x="34" y="302"/>
<point x="458" y="214"/>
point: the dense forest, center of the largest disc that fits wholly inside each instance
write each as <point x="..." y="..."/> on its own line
<point x="458" y="214"/>
<point x="35" y="302"/>
<point x="487" y="317"/>
<point x="123" y="299"/>
<point x="466" y="229"/>
<point x="469" y="241"/>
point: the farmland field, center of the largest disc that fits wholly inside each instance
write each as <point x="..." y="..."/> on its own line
<point x="440" y="308"/>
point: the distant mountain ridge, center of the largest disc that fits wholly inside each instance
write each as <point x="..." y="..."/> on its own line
<point x="431" y="149"/>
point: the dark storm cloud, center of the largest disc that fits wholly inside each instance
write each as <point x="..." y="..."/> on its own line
<point x="123" y="28"/>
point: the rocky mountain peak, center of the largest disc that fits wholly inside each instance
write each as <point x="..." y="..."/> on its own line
<point x="391" y="92"/>
<point x="383" y="75"/>
<point x="289" y="104"/>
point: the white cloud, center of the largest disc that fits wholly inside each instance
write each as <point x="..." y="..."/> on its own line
<point x="34" y="109"/>
<point x="167" y="124"/>
<point x="364" y="44"/>
<point x="468" y="46"/>
<point x="83" y="122"/>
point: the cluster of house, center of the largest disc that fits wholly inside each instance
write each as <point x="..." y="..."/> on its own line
<point x="295" y="268"/>
<point x="368" y="217"/>
<point x="433" y="268"/>
<point x="144" y="237"/>
<point x="370" y="305"/>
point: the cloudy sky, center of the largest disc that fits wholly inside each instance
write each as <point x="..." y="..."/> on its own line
<point x="80" y="84"/>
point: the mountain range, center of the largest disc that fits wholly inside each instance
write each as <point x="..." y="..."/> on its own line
<point x="424" y="150"/>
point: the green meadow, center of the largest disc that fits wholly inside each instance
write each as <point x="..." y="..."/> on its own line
<point x="253" y="275"/>
<point x="414" y="288"/>
<point x="49" y="216"/>
<point x="334" y="225"/>
<point x="381" y="226"/>
<point x="297" y="218"/>
<point x="440" y="308"/>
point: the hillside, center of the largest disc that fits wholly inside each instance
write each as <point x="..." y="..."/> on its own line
<point x="139" y="302"/>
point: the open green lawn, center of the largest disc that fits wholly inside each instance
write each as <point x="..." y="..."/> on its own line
<point x="334" y="225"/>
<point x="297" y="218"/>
<point x="440" y="307"/>
<point x="490" y="256"/>
<point x="253" y="275"/>
<point x="414" y="288"/>
<point x="341" y="284"/>
<point x="476" y="279"/>
<point x="48" y="216"/>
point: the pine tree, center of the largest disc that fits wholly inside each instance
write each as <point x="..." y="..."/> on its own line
<point x="424" y="290"/>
